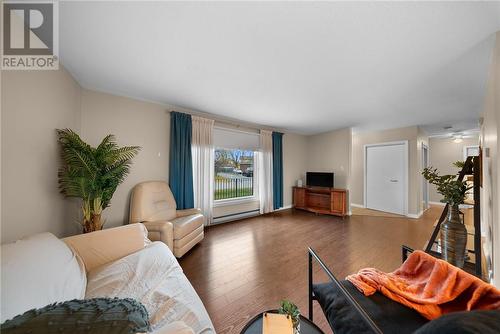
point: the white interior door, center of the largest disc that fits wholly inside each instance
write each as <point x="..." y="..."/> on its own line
<point x="386" y="168"/>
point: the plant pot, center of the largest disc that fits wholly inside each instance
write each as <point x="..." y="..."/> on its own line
<point x="92" y="225"/>
<point x="296" y="325"/>
<point x="453" y="238"/>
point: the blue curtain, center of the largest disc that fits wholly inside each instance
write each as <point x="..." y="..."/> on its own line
<point x="180" y="162"/>
<point x="277" y="170"/>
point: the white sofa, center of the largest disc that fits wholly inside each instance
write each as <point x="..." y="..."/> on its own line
<point x="118" y="262"/>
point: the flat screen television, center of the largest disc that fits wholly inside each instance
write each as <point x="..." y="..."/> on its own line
<point x="317" y="179"/>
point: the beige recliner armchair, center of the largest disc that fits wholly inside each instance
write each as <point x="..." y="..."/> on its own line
<point x="153" y="204"/>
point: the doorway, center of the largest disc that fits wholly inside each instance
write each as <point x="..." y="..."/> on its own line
<point x="386" y="177"/>
<point x="425" y="184"/>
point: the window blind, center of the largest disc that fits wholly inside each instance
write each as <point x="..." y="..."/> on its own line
<point x="235" y="139"/>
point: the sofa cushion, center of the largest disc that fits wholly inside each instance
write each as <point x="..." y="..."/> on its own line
<point x="101" y="247"/>
<point x="185" y="225"/>
<point x="153" y="277"/>
<point x="484" y="322"/>
<point x="37" y="271"/>
<point x="97" y="316"/>
<point x="388" y="315"/>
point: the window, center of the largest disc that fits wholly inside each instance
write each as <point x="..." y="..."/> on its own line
<point x="234" y="171"/>
<point x="471" y="151"/>
<point x="234" y="164"/>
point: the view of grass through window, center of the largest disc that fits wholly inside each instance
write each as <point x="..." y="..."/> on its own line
<point x="233" y="173"/>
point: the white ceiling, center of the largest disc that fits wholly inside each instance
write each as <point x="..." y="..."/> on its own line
<point x="307" y="67"/>
<point x="464" y="127"/>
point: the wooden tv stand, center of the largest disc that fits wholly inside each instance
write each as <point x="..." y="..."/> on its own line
<point x="329" y="201"/>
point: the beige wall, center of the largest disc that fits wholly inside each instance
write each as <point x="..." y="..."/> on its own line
<point x="490" y="191"/>
<point x="330" y="152"/>
<point x="294" y="163"/>
<point x="443" y="152"/>
<point x="34" y="104"/>
<point x="133" y="122"/>
<point x="414" y="180"/>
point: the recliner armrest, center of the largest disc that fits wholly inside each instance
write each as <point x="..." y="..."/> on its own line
<point x="161" y="230"/>
<point x="188" y="212"/>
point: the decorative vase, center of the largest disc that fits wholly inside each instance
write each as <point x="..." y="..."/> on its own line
<point x="296" y="325"/>
<point x="453" y="237"/>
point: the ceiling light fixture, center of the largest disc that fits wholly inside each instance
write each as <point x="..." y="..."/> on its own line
<point x="458" y="139"/>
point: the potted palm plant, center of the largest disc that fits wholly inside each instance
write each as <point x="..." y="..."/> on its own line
<point x="453" y="234"/>
<point x="92" y="173"/>
<point x="290" y="309"/>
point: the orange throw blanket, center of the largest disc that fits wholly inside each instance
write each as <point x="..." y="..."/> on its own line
<point x="430" y="286"/>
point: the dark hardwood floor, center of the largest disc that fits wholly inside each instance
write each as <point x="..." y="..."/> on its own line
<point x="246" y="267"/>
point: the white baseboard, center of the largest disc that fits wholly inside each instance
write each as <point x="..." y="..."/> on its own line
<point x="284" y="208"/>
<point x="410" y="215"/>
<point x="415" y="216"/>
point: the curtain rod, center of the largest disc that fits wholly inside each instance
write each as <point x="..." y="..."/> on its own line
<point x="230" y="122"/>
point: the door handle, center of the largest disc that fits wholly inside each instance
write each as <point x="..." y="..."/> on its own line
<point x="393" y="180"/>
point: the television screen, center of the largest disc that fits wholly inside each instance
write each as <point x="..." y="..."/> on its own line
<point x="315" y="179"/>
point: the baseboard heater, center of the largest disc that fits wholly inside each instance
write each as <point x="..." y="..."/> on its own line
<point x="235" y="216"/>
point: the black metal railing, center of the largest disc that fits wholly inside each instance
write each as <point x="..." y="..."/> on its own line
<point x="349" y="298"/>
<point x="233" y="187"/>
